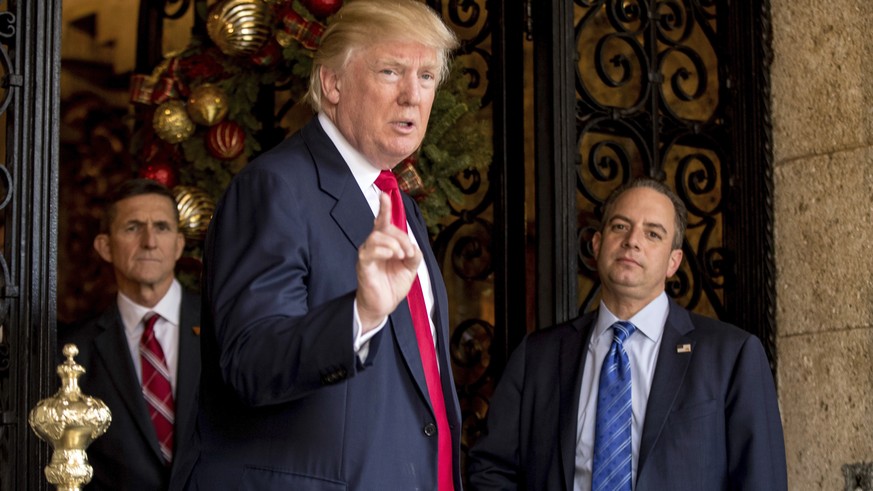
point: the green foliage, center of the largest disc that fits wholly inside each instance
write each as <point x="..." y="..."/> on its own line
<point x="457" y="140"/>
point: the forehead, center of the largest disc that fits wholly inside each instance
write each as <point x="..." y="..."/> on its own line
<point x="401" y="51"/>
<point x="645" y="205"/>
<point x="145" y="207"/>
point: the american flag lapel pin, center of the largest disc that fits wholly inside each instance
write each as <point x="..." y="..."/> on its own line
<point x="683" y="348"/>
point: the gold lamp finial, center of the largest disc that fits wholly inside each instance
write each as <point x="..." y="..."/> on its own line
<point x="69" y="421"/>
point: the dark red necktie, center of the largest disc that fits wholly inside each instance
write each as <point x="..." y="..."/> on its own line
<point x="388" y="184"/>
<point x="156" y="388"/>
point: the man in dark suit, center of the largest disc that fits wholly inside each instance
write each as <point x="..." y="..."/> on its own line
<point x="700" y="411"/>
<point x="315" y="375"/>
<point x="140" y="237"/>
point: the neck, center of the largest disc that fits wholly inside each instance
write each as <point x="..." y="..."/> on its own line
<point x="625" y="307"/>
<point x="147" y="295"/>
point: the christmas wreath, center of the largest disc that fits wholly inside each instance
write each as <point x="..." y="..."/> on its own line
<point x="197" y="127"/>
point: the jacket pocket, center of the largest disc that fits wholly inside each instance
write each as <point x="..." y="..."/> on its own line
<point x="262" y="478"/>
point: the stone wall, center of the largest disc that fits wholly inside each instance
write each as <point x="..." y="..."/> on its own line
<point x="822" y="86"/>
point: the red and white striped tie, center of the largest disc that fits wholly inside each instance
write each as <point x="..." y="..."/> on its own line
<point x="156" y="388"/>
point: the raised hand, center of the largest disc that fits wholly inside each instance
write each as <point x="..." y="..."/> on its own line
<point x="387" y="265"/>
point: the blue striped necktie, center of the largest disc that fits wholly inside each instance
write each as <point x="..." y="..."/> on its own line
<point x="612" y="431"/>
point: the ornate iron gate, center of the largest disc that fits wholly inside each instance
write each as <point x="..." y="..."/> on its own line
<point x="29" y="108"/>
<point x="677" y="90"/>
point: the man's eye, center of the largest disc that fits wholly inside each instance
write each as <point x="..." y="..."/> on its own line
<point x="654" y="235"/>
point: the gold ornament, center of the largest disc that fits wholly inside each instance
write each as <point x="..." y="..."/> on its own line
<point x="239" y="27"/>
<point x="195" y="211"/>
<point x="171" y="122"/>
<point x="207" y="104"/>
<point x="69" y="421"/>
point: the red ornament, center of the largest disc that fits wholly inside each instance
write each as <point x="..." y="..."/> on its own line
<point x="226" y="140"/>
<point x="268" y="55"/>
<point x="322" y="8"/>
<point x="161" y="172"/>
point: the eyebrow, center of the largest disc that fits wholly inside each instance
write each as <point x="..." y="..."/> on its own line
<point x="141" y="222"/>
<point x="400" y="62"/>
<point x="655" y="225"/>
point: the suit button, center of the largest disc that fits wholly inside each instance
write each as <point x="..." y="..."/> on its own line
<point x="430" y="429"/>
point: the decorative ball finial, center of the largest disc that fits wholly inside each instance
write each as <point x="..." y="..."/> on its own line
<point x="69" y="421"/>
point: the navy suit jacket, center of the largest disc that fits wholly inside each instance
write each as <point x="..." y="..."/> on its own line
<point x="712" y="420"/>
<point x="127" y="457"/>
<point x="286" y="402"/>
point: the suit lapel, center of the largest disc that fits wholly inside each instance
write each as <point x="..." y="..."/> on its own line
<point x="440" y="320"/>
<point x="336" y="179"/>
<point x="113" y="349"/>
<point x="406" y="339"/>
<point x="669" y="377"/>
<point x="188" y="367"/>
<point x="571" y="360"/>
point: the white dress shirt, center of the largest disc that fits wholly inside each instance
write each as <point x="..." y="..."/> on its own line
<point x="642" y="351"/>
<point x="166" y="328"/>
<point x="365" y="175"/>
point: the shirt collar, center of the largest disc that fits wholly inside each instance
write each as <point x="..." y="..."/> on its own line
<point x="650" y="320"/>
<point x="363" y="171"/>
<point x="168" y="308"/>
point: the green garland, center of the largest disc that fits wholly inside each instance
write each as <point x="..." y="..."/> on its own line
<point x="457" y="139"/>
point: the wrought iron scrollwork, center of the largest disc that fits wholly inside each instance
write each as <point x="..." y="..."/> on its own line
<point x="8" y="290"/>
<point x="181" y="8"/>
<point x="463" y="243"/>
<point x="7" y="25"/>
<point x="648" y="104"/>
<point x="9" y="77"/>
<point x="9" y="88"/>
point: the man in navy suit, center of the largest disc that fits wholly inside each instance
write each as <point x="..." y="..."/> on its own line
<point x="312" y="377"/>
<point x="703" y="403"/>
<point x="139" y="236"/>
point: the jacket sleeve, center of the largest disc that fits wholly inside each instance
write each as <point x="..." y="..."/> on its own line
<point x="756" y="448"/>
<point x="494" y="461"/>
<point x="276" y="340"/>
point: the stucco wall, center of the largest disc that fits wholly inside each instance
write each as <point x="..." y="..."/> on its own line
<point x="822" y="89"/>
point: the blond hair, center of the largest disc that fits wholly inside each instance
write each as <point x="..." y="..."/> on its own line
<point x="360" y="23"/>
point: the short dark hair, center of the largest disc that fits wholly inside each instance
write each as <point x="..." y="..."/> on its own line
<point x="129" y="189"/>
<point x="681" y="216"/>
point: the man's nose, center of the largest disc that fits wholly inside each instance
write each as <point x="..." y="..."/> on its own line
<point x="633" y="237"/>
<point x="410" y="93"/>
<point x="149" y="238"/>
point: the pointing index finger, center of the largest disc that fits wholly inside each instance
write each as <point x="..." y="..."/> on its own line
<point x="383" y="219"/>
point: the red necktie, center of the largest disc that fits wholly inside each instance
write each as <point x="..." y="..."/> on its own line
<point x="388" y="184"/>
<point x="156" y="388"/>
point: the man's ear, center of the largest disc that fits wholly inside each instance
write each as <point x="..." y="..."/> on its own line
<point x="180" y="245"/>
<point x="330" y="84"/>
<point x="675" y="261"/>
<point x="595" y="244"/>
<point x="101" y="245"/>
